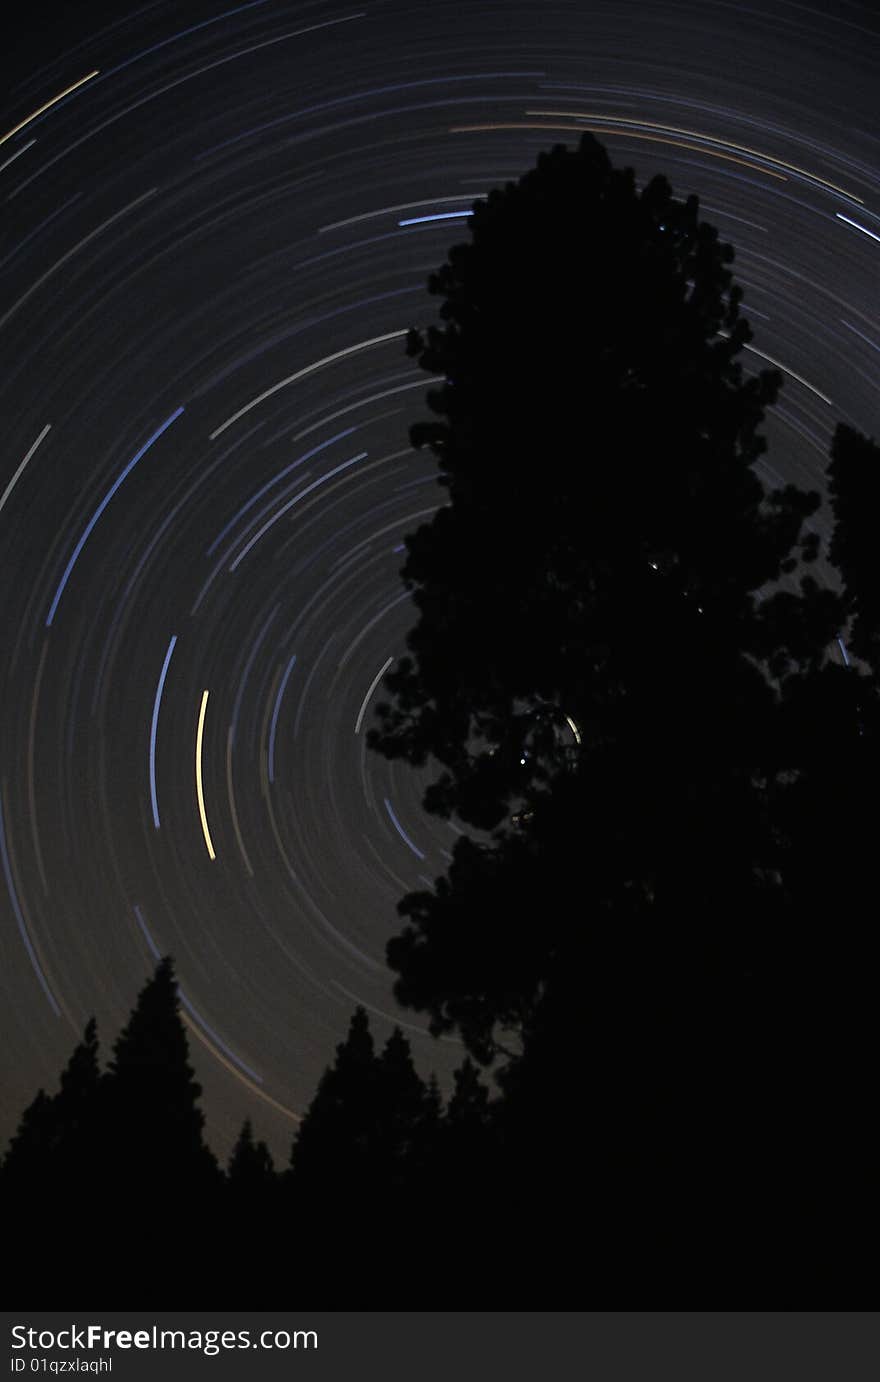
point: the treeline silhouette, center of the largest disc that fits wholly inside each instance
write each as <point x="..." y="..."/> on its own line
<point x="656" y="944"/>
<point x="108" y="1187"/>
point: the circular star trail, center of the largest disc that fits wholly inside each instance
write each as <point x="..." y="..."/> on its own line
<point x="217" y="226"/>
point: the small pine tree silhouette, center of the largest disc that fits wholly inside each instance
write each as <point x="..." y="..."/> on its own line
<point x="250" y="1170"/>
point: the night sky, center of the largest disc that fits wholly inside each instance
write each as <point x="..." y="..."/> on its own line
<point x="210" y="250"/>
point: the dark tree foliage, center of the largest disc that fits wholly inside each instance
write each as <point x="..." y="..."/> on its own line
<point x="622" y="666"/>
<point x="826" y="816"/>
<point x="599" y="601"/>
<point x="606" y="533"/>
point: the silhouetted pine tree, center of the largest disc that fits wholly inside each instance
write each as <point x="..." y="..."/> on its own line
<point x="334" y="1179"/>
<point x="471" y="1154"/>
<point x="251" y="1173"/>
<point x="51" y="1183"/>
<point x="335" y="1150"/>
<point x="251" y="1211"/>
<point x="28" y="1195"/>
<point x="78" y="1111"/>
<point x="56" y="1142"/>
<point x="153" y="1125"/>
<point x="407" y="1118"/>
<point x="363" y="1155"/>
<point x="32" y="1154"/>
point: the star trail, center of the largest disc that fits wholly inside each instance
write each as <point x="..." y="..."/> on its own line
<point x="217" y="228"/>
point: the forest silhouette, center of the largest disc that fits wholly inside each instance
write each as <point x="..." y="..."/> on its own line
<point x="661" y="730"/>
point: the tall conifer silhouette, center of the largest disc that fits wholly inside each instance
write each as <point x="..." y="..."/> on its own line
<point x="154" y="1126"/>
<point x="335" y="1148"/>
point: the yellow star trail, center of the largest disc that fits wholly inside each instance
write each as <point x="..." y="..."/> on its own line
<point x="200" y="793"/>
